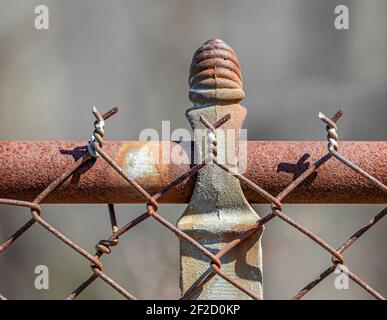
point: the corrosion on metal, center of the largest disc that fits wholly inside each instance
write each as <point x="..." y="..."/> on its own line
<point x="27" y="167"/>
<point x="364" y="159"/>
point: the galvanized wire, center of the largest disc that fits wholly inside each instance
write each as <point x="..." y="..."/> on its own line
<point x="95" y="150"/>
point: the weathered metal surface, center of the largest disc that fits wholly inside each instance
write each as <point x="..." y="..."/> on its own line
<point x="218" y="210"/>
<point x="131" y="161"/>
<point x="27" y="167"/>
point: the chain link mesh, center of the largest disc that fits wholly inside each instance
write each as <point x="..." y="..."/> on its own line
<point x="103" y="247"/>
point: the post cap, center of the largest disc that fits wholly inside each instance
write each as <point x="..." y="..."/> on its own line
<point x="215" y="75"/>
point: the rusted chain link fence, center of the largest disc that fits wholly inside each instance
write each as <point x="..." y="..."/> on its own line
<point x="95" y="150"/>
<point x="215" y="77"/>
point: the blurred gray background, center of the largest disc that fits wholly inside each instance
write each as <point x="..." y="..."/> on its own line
<point x="136" y="55"/>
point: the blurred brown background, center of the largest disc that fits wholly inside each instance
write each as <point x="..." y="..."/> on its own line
<point x="136" y="54"/>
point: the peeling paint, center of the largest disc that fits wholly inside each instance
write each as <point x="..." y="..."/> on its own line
<point x="140" y="163"/>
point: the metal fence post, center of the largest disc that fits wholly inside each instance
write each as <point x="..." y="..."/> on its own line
<point x="218" y="210"/>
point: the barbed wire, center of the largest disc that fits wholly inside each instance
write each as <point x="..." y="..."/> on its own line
<point x="95" y="151"/>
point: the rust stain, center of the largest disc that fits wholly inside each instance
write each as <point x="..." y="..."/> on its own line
<point x="27" y="167"/>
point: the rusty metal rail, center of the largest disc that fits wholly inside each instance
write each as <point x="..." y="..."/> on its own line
<point x="27" y="167"/>
<point x="352" y="172"/>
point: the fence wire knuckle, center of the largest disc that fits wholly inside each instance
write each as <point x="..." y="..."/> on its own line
<point x="95" y="152"/>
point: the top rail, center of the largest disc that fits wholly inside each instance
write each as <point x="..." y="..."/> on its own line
<point x="27" y="167"/>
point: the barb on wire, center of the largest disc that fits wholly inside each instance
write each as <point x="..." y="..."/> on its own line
<point x="333" y="149"/>
<point x="331" y="130"/>
<point x="98" y="134"/>
<point x="104" y="245"/>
